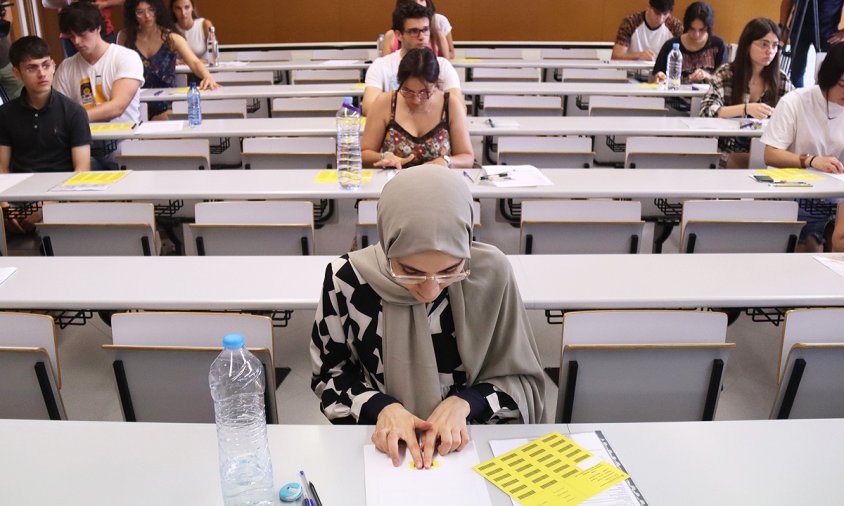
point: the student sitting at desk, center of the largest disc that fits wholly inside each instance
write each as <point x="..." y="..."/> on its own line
<point x="441" y="40"/>
<point x="192" y="27"/>
<point x="418" y="123"/>
<point x="749" y="87"/>
<point x="642" y="34"/>
<point x="412" y="24"/>
<point x="426" y="329"/>
<point x="702" y="51"/>
<point x="807" y="131"/>
<point x="150" y="31"/>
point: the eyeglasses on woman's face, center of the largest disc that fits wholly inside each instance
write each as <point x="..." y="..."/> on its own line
<point x="767" y="44"/>
<point x="409" y="276"/>
<point x="423" y="94"/>
<point x="141" y="12"/>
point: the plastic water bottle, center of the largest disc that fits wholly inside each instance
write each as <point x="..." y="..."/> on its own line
<point x="675" y="67"/>
<point x="237" y="386"/>
<point x="213" y="48"/>
<point x="379" y="44"/>
<point x="194" y="106"/>
<point x="348" y="145"/>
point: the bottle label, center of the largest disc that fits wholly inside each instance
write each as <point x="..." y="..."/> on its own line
<point x="87" y="93"/>
<point x="99" y="94"/>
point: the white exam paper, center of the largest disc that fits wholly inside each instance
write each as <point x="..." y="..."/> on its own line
<point x="712" y="123"/>
<point x="6" y="273"/>
<point x="335" y="63"/>
<point x="152" y="127"/>
<point x="834" y="262"/>
<point x="453" y="482"/>
<point x="518" y="176"/>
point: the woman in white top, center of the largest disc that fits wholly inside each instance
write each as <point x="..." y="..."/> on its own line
<point x="441" y="40"/>
<point x="807" y="131"/>
<point x="193" y="28"/>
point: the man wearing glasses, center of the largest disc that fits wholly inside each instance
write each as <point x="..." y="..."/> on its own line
<point x="642" y="35"/>
<point x="412" y="24"/>
<point x="41" y="130"/>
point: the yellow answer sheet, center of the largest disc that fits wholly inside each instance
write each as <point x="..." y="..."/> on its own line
<point x="109" y="127"/>
<point x="96" y="177"/>
<point x="551" y="470"/>
<point x="789" y="175"/>
<point x="330" y="176"/>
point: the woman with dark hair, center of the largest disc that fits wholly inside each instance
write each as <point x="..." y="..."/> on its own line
<point x="192" y="27"/>
<point x="702" y="51"/>
<point x="442" y="41"/>
<point x="807" y="131"/>
<point x="418" y="123"/>
<point x="150" y="31"/>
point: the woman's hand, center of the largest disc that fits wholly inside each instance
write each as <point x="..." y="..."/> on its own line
<point x="699" y="75"/>
<point x="448" y="425"/>
<point x="759" y="110"/>
<point x="208" y="84"/>
<point x="392" y="161"/>
<point x="398" y="424"/>
<point x="827" y="164"/>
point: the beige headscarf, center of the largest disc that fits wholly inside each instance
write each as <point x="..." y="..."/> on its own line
<point x="429" y="208"/>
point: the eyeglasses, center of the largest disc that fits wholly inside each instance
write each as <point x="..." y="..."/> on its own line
<point x="415" y="32"/>
<point x="140" y="12"/>
<point x="767" y="45"/>
<point x="442" y="279"/>
<point x="421" y="94"/>
<point x="46" y="66"/>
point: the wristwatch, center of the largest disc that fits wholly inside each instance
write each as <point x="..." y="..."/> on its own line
<point x="447" y="160"/>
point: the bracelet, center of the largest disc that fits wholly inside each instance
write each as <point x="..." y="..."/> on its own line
<point x="809" y="165"/>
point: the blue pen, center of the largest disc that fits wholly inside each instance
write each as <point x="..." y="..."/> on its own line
<point x="307" y="501"/>
<point x="159" y="92"/>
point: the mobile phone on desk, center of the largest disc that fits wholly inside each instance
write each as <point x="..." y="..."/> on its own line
<point x="763" y="179"/>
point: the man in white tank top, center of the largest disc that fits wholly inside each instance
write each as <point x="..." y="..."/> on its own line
<point x="641" y="35"/>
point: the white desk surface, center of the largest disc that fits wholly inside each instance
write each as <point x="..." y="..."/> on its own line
<point x="520" y="125"/>
<point x="545" y="282"/>
<point x="279" y="66"/>
<point x="458" y="44"/>
<point x="470" y="88"/>
<point x="295" y="184"/>
<point x="102" y="463"/>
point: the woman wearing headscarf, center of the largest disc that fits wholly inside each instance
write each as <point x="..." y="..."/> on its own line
<point x="425" y="330"/>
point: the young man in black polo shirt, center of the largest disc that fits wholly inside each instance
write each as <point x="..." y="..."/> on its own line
<point x="42" y="130"/>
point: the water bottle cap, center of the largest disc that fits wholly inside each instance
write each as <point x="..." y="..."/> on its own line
<point x="232" y="341"/>
<point x="676" y="45"/>
<point x="347" y="100"/>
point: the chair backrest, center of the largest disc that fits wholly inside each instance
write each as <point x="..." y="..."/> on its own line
<point x="810" y="326"/>
<point x="569" y="54"/>
<point x="340" y="54"/>
<point x="626" y="366"/>
<point x="594" y="76"/>
<point x="672" y="152"/>
<point x="31" y="331"/>
<point x="367" y="227"/>
<point x="289" y="152"/>
<point x="98" y="228"/>
<point x="501" y="53"/>
<point x="546" y="152"/>
<point x="170" y="384"/>
<point x="757" y="154"/>
<point x="254" y="228"/>
<point x="28" y="388"/>
<point x="241" y="79"/>
<point x="522" y="105"/>
<point x="327" y="76"/>
<point x="494" y="74"/>
<point x="213" y="109"/>
<point x="272" y="55"/>
<point x="164" y="154"/>
<point x="601" y="105"/>
<point x="300" y="107"/>
<point x="739" y="226"/>
<point x="813" y="383"/>
<point x="580" y="226"/>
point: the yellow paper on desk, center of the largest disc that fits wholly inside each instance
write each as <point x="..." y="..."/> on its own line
<point x="110" y="127"/>
<point x="360" y="85"/>
<point x="182" y="90"/>
<point x="649" y="85"/>
<point x="330" y="176"/>
<point x="789" y="175"/>
<point x="551" y="470"/>
<point x="97" y="177"/>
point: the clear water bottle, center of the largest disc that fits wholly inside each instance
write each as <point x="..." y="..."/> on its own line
<point x="237" y="386"/>
<point x="348" y="145"/>
<point x="194" y="106"/>
<point x="213" y="48"/>
<point x="675" y="67"/>
<point x="379" y="44"/>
